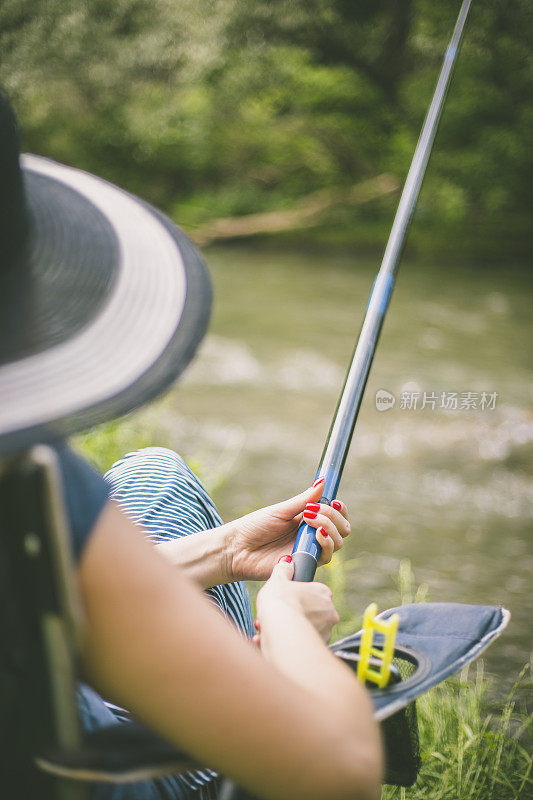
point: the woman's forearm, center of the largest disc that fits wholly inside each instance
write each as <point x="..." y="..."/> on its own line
<point x="289" y="643"/>
<point x="294" y="647"/>
<point x="203" y="556"/>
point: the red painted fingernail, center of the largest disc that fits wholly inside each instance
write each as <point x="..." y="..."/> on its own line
<point x="309" y="514"/>
<point x="288" y="559"/>
<point x="318" y="481"/>
<point x="323" y="531"/>
<point x="312" y="507"/>
<point x="256" y="624"/>
<point x="336" y="505"/>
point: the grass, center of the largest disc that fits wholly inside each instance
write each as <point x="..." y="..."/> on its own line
<point x="105" y="444"/>
<point x="473" y="747"/>
<point x="468" y="751"/>
<point x="474" y="744"/>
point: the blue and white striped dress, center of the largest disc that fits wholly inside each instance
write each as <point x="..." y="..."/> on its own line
<point x="157" y="489"/>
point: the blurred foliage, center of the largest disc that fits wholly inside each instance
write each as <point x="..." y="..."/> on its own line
<point x="230" y="107"/>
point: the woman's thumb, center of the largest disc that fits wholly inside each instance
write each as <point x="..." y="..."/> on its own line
<point x="284" y="568"/>
<point x="295" y="505"/>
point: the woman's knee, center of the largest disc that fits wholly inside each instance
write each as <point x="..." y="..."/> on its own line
<point x="160" y="491"/>
<point x="149" y="470"/>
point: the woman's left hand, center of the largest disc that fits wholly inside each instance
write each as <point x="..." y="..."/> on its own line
<point x="257" y="540"/>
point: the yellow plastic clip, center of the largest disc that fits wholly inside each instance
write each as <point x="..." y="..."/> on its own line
<point x="384" y="653"/>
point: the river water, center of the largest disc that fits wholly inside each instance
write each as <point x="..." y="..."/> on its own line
<point x="446" y="486"/>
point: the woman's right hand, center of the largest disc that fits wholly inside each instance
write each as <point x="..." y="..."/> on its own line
<point x="281" y="594"/>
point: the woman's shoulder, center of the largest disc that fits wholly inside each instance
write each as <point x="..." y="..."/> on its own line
<point x="85" y="493"/>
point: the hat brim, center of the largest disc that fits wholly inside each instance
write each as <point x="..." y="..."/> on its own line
<point x="122" y="338"/>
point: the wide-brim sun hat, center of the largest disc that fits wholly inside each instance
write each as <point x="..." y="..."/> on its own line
<point x="103" y="300"/>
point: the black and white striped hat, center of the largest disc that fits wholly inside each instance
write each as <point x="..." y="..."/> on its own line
<point x="103" y="301"/>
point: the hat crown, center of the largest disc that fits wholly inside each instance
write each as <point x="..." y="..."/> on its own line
<point x="13" y="218"/>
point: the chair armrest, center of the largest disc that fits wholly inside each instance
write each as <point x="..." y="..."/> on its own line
<point x="122" y="753"/>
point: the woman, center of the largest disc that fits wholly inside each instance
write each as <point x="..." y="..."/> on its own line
<point x="256" y="717"/>
<point x="103" y="304"/>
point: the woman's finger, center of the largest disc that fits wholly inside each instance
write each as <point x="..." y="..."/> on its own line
<point x="339" y="506"/>
<point x="340" y="521"/>
<point x="326" y="544"/>
<point x="317" y="519"/>
<point x="320" y="514"/>
<point x="284" y="569"/>
<point x="294" y="505"/>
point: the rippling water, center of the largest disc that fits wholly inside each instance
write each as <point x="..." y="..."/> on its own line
<point x="450" y="489"/>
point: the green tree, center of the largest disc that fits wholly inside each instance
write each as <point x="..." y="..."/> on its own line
<point x="224" y="108"/>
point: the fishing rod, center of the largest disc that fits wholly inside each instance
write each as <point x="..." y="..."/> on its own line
<point x="306" y="548"/>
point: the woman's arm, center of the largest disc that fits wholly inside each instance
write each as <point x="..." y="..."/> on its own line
<point x="203" y="556"/>
<point x="299" y="727"/>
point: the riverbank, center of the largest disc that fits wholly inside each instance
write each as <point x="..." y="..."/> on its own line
<point x="326" y="220"/>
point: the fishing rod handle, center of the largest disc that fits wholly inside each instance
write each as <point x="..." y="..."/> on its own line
<point x="305" y="558"/>
<point x="306" y="551"/>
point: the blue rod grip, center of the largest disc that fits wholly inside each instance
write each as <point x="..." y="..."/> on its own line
<point x="305" y="553"/>
<point x="306" y="550"/>
<point x="304" y="567"/>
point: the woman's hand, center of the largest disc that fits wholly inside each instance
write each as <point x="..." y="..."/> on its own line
<point x="280" y="597"/>
<point x="256" y="541"/>
<point x="249" y="547"/>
